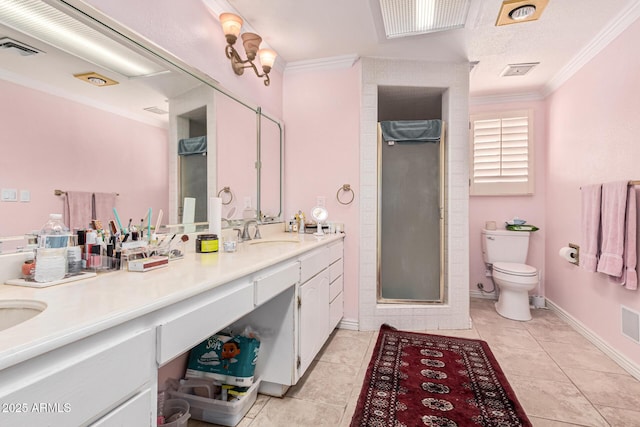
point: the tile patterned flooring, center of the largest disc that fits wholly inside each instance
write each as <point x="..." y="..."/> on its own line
<point x="560" y="378"/>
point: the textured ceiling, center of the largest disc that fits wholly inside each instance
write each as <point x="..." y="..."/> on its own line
<point x="301" y="30"/>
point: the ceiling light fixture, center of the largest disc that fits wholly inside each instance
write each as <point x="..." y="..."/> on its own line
<point x="231" y="26"/>
<point x="96" y="79"/>
<point x="522" y="12"/>
<point x="413" y="17"/>
<point x="516" y="11"/>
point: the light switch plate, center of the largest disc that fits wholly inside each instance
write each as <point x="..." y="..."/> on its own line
<point x="9" y="195"/>
<point x="25" y="195"/>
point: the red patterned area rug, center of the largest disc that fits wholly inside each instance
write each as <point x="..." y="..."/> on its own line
<point x="418" y="379"/>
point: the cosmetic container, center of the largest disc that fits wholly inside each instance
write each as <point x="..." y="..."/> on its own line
<point x="206" y="243"/>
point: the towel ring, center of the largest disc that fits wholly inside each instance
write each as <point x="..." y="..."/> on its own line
<point x="228" y="191"/>
<point x="346" y="188"/>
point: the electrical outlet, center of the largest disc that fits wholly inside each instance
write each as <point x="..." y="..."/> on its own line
<point x="9" y="195"/>
<point x="321" y="201"/>
<point x="25" y="195"/>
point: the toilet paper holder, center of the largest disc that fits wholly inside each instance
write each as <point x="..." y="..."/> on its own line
<point x="571" y="253"/>
<point x="577" y="248"/>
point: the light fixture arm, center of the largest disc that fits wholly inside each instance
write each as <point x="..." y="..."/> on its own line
<point x="238" y="64"/>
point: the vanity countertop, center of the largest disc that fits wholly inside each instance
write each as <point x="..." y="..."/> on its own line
<point x="78" y="309"/>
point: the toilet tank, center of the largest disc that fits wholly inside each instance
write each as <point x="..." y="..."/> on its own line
<point x="505" y="246"/>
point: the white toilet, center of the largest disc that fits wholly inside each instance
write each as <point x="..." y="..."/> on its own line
<point x="507" y="251"/>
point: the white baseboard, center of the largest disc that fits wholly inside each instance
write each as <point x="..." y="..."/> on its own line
<point x="477" y="293"/>
<point x="620" y="359"/>
<point x="349" y="324"/>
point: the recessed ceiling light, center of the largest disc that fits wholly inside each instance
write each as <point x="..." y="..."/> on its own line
<point x="516" y="11"/>
<point x="522" y="12"/>
<point x="96" y="79"/>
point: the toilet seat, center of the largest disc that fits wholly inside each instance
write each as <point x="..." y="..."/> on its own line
<point x="515" y="269"/>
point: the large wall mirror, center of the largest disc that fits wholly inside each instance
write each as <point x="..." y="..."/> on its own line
<point x="109" y="118"/>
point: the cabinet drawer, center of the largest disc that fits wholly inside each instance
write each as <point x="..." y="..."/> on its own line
<point x="336" y="311"/>
<point x="196" y="320"/>
<point x="69" y="386"/>
<point x="335" y="270"/>
<point x="336" y="251"/>
<point x="313" y="263"/>
<point x="134" y="412"/>
<point x="272" y="283"/>
<point x="335" y="288"/>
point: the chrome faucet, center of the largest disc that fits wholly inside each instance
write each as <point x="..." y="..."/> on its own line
<point x="245" y="231"/>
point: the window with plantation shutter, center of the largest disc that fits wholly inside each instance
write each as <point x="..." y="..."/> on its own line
<point x="501" y="154"/>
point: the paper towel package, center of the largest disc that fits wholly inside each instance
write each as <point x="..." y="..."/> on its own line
<point x="230" y="360"/>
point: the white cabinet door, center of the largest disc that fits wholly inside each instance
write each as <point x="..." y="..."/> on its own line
<point x="313" y="318"/>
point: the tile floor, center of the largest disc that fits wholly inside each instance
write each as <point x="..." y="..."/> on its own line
<point x="560" y="378"/>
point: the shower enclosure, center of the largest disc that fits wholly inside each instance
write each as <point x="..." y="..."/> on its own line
<point x="411" y="216"/>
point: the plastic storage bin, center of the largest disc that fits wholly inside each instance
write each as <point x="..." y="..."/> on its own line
<point x="218" y="411"/>
<point x="171" y="406"/>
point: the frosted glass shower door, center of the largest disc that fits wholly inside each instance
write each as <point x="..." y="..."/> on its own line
<point x="409" y="222"/>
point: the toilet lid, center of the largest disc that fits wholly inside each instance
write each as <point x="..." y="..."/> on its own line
<point x="515" y="269"/>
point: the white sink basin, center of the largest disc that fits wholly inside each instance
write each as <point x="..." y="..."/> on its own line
<point x="14" y="312"/>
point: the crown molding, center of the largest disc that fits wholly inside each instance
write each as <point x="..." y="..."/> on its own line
<point x="602" y="40"/>
<point x="331" y="63"/>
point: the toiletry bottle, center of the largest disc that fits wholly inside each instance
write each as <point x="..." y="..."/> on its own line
<point x="301" y="227"/>
<point x="51" y="255"/>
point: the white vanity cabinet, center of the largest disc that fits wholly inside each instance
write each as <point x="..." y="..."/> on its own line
<point x="99" y="376"/>
<point x="313" y="306"/>
<point x="336" y="288"/>
<point x="81" y="365"/>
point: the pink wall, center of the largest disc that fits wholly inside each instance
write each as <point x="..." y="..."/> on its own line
<point x="593" y="137"/>
<point x="531" y="208"/>
<point x="321" y="110"/>
<point x="51" y="143"/>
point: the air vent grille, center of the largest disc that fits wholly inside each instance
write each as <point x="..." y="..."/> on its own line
<point x="630" y="324"/>
<point x="22" y="48"/>
<point x="518" y="69"/>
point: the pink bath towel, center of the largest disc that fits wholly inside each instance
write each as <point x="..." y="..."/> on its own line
<point x="77" y="210"/>
<point x="103" y="204"/>
<point x="613" y="211"/>
<point x="629" y="277"/>
<point x="590" y="231"/>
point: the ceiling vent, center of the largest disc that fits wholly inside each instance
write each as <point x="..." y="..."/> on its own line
<point x="518" y="69"/>
<point x="156" y="110"/>
<point x="413" y="17"/>
<point x="18" y="47"/>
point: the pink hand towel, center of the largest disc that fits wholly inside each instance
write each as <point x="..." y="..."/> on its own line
<point x="614" y="207"/>
<point x="77" y="210"/>
<point x="590" y="230"/>
<point x="629" y="277"/>
<point x="103" y="204"/>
